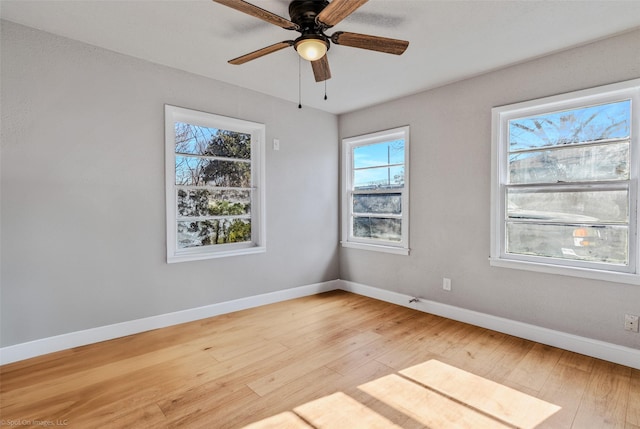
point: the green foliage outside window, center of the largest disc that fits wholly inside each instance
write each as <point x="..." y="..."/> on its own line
<point x="213" y="175"/>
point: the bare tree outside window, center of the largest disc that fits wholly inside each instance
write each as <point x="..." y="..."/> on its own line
<point x="213" y="179"/>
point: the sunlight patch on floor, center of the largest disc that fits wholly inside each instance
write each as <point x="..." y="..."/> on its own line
<point x="338" y="409"/>
<point x="286" y="420"/>
<point x="434" y="394"/>
<point x="501" y="402"/>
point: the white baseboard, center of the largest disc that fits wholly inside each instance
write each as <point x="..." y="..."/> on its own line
<point x="89" y="336"/>
<point x="586" y="346"/>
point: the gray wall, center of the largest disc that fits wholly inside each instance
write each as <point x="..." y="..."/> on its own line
<point x="82" y="193"/>
<point x="82" y="187"/>
<point x="450" y="191"/>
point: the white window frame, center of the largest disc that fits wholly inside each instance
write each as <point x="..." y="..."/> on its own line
<point x="175" y="114"/>
<point x="348" y="239"/>
<point x="500" y="135"/>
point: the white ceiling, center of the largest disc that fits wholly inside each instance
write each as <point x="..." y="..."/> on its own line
<point x="450" y="40"/>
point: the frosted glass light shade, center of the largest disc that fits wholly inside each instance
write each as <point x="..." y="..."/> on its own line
<point x="311" y="49"/>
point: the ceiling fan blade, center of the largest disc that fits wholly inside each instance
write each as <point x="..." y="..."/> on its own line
<point x="261" y="52"/>
<point x="338" y="10"/>
<point x="260" y="13"/>
<point x="321" y="69"/>
<point x="372" y="43"/>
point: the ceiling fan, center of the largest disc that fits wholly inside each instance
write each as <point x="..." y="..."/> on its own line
<point x="311" y="18"/>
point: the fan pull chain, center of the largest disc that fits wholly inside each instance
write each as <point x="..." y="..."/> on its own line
<point x="325" y="89"/>
<point x="299" y="83"/>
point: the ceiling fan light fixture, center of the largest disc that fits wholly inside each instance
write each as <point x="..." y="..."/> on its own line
<point x="311" y="49"/>
<point x="311" y="18"/>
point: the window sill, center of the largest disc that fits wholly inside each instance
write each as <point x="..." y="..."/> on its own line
<point x="199" y="256"/>
<point x="376" y="248"/>
<point x="609" y="276"/>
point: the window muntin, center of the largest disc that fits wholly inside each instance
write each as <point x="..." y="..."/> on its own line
<point x="214" y="201"/>
<point x="375" y="202"/>
<point x="567" y="182"/>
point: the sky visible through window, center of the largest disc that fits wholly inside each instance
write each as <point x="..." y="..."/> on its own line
<point x="193" y="139"/>
<point x="600" y="122"/>
<point x="379" y="164"/>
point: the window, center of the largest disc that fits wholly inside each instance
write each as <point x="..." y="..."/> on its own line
<point x="214" y="185"/>
<point x="375" y="202"/>
<point x="565" y="184"/>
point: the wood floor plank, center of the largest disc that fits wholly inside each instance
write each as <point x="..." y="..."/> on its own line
<point x="505" y="357"/>
<point x="604" y="403"/>
<point x="418" y="346"/>
<point x="72" y="361"/>
<point x="87" y="380"/>
<point x="427" y="407"/>
<point x="532" y="372"/>
<point x="339" y="411"/>
<point x="565" y="387"/>
<point x="121" y="391"/>
<point x="389" y="412"/>
<point x="405" y="326"/>
<point x="494" y="399"/>
<point x="633" y="410"/>
<point x="148" y="416"/>
<point x="449" y="336"/>
<point x="193" y="410"/>
<point x="354" y="360"/>
<point x="577" y="361"/>
<point x="315" y="384"/>
<point x="367" y="372"/>
<point x="318" y="356"/>
<point x="477" y="353"/>
<point x="286" y="420"/>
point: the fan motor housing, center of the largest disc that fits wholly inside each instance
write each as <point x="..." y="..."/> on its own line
<point x="304" y="12"/>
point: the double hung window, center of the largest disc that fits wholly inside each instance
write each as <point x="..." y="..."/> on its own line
<point x="214" y="185"/>
<point x="376" y="191"/>
<point x="565" y="185"/>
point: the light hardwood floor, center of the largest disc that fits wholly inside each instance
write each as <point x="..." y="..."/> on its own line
<point x="334" y="360"/>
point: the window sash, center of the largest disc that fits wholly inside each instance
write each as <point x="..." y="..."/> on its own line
<point x="501" y="186"/>
<point x="605" y="187"/>
<point x="576" y="223"/>
<point x="349" y="237"/>
<point x="354" y="215"/>
<point x="176" y="253"/>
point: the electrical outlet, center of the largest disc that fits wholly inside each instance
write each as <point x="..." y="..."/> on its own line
<point x="446" y="284"/>
<point x="630" y="323"/>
